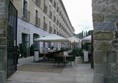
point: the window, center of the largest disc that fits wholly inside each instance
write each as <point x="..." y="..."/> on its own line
<point x="50" y="14"/>
<point x="45" y="9"/>
<point x="38" y="2"/>
<point x="54" y="31"/>
<point x="57" y="22"/>
<point x="57" y="9"/>
<point x="54" y="4"/>
<point x="51" y="1"/>
<point x="25" y="5"/>
<point x="60" y="13"/>
<point x="50" y="28"/>
<point x="44" y="19"/>
<point x="37" y="20"/>
<point x="62" y="16"/>
<point x="50" y="8"/>
<point x="57" y="33"/>
<point x="36" y="13"/>
<point x="50" y="31"/>
<point x="49" y="23"/>
<point x="60" y="25"/>
<point x="54" y="18"/>
<point x="26" y="13"/>
<point x="44" y="24"/>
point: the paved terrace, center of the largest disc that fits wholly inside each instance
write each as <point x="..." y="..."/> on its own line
<point x="71" y="73"/>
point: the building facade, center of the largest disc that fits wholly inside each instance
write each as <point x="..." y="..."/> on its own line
<point x="38" y="18"/>
<point x="33" y="21"/>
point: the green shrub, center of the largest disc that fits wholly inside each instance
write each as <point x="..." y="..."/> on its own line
<point x="77" y="52"/>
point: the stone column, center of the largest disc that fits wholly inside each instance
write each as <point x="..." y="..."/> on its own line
<point x="105" y="22"/>
<point x="3" y="39"/>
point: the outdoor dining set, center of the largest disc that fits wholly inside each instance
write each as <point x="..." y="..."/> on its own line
<point x="58" y="57"/>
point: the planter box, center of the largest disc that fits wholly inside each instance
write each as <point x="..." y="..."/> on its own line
<point x="78" y="60"/>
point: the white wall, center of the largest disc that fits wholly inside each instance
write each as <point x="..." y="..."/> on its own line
<point x="24" y="27"/>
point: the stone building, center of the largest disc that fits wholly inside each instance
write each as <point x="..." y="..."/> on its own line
<point x="105" y="22"/>
<point x="38" y="18"/>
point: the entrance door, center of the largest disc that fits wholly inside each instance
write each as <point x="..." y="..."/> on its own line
<point x="36" y="44"/>
<point x="25" y="44"/>
<point x="12" y="39"/>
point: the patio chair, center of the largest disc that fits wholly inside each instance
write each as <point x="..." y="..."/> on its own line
<point x="59" y="58"/>
<point x="70" y="59"/>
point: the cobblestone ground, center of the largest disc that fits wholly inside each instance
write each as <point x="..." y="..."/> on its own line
<point x="72" y="73"/>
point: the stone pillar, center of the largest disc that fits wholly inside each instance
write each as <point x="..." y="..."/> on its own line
<point x="105" y="22"/>
<point x="3" y="39"/>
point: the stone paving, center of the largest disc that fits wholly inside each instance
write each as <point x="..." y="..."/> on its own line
<point x="72" y="73"/>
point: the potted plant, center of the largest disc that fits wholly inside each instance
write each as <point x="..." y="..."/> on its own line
<point x="32" y="50"/>
<point x="77" y="52"/>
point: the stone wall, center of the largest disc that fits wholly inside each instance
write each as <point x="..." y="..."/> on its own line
<point x="105" y="22"/>
<point x="3" y="39"/>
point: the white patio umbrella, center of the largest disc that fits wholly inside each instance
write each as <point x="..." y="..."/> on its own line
<point x="74" y="39"/>
<point x="87" y="39"/>
<point x="52" y="38"/>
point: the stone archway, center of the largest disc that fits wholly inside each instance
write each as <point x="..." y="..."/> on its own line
<point x="105" y="36"/>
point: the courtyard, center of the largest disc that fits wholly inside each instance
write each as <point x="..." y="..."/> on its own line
<point x="50" y="73"/>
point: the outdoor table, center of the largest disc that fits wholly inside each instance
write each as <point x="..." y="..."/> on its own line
<point x="59" y="58"/>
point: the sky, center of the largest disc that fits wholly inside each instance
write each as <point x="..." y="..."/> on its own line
<point x="80" y="14"/>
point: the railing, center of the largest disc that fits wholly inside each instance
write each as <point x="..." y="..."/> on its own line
<point x="37" y="21"/>
<point x="44" y="26"/>
<point x="26" y="15"/>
